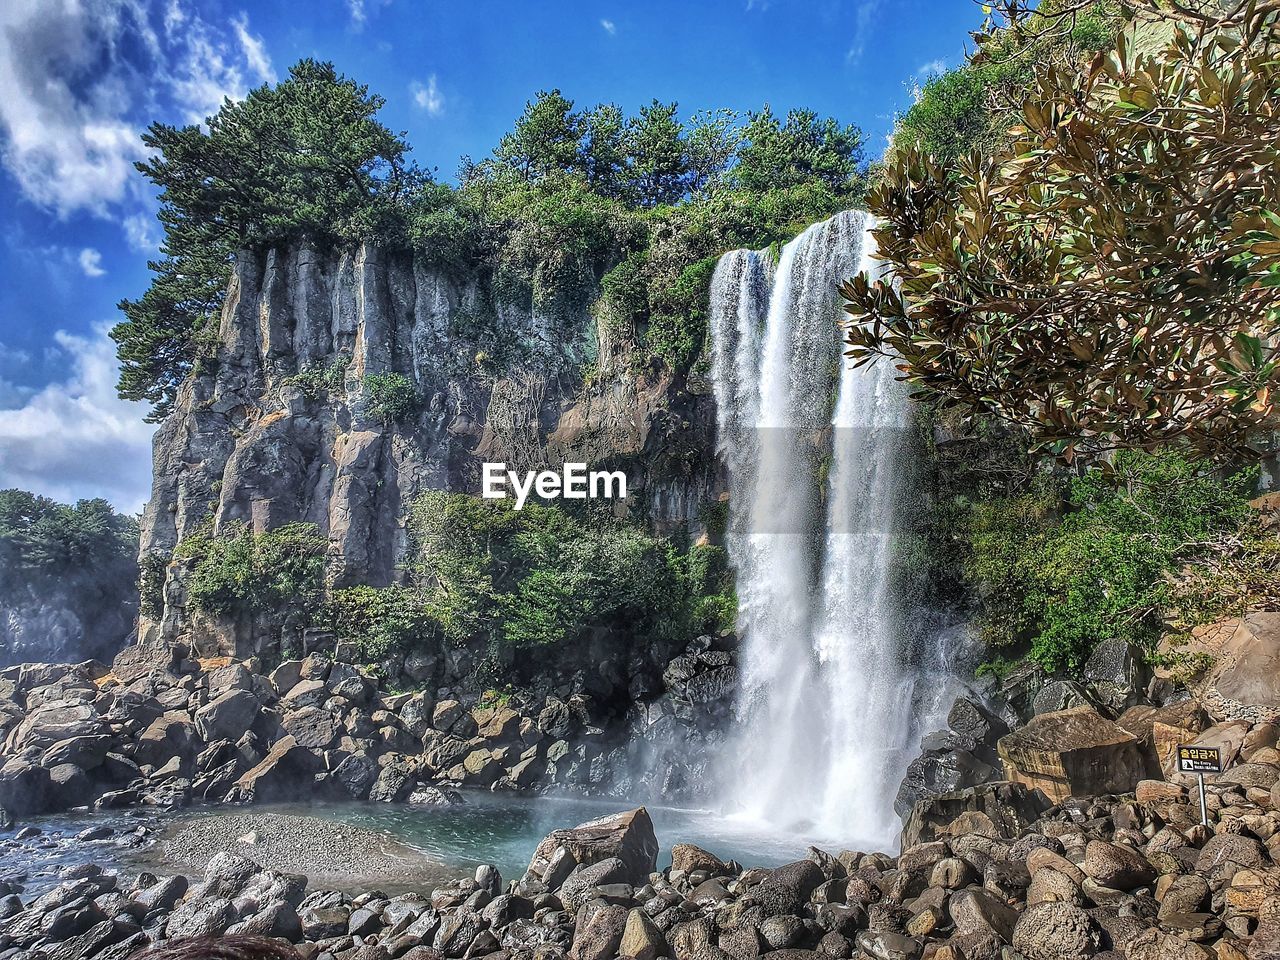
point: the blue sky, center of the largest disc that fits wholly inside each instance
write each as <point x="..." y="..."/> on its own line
<point x="80" y="79"/>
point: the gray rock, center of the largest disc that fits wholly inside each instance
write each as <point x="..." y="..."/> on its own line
<point x="357" y="774"/>
<point x="627" y="837"/>
<point x="200" y="918"/>
<point x="786" y="889"/>
<point x="600" y="937"/>
<point x="277" y="919"/>
<point x="1056" y="931"/>
<point x="313" y="727"/>
<point x="577" y="889"/>
<point x="1060" y="695"/>
<point x="228" y="717"/>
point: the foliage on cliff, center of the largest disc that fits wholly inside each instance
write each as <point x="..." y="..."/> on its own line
<point x="306" y="157"/>
<point x="541" y="576"/>
<point x="83" y="556"/>
<point x="974" y="106"/>
<point x="1061" y="570"/>
<point x="566" y="196"/>
<point x="480" y="575"/>
<point x="1108" y="276"/>
<point x="239" y="572"/>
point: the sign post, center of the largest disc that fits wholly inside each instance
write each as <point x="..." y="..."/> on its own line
<point x="1200" y="760"/>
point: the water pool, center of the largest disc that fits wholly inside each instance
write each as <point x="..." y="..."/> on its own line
<point x="502" y="829"/>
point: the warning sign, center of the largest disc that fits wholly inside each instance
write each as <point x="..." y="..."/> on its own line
<point x="1193" y="759"/>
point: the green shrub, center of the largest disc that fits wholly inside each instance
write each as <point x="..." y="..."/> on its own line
<point x="1057" y="578"/>
<point x="541" y="577"/>
<point x="317" y="381"/>
<point x="239" y="571"/>
<point x="151" y="576"/>
<point x="390" y="397"/>
<point x="677" y="327"/>
<point x="383" y="620"/>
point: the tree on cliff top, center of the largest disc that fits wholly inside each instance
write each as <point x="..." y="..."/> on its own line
<point x="1109" y="278"/>
<point x="566" y="196"/>
<point x="305" y="157"/>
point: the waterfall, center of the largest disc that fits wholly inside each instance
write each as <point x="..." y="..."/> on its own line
<point x="826" y="699"/>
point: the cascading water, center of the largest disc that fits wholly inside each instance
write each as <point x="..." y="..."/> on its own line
<point x="826" y="700"/>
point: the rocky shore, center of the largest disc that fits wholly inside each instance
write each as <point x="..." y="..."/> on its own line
<point x="162" y="730"/>
<point x="1009" y="876"/>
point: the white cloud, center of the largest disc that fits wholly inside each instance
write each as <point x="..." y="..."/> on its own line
<point x="863" y="20"/>
<point x="91" y="262"/>
<point x="255" y="51"/>
<point x="429" y="97"/>
<point x="13" y="356"/>
<point x="82" y="80"/>
<point x="142" y="232"/>
<point x="76" y="438"/>
<point x="933" y="67"/>
<point x="609" y="26"/>
<point x="355" y="9"/>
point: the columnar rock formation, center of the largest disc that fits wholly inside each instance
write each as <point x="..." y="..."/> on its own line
<point x="275" y="425"/>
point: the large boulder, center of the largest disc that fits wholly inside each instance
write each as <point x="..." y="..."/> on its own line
<point x="1114" y="672"/>
<point x="171" y="735"/>
<point x="1243" y="681"/>
<point x="1056" y="931"/>
<point x="1011" y="808"/>
<point x="287" y="772"/>
<point x="312" y="727"/>
<point x="228" y="717"/>
<point x="53" y="722"/>
<point x="1076" y="752"/>
<point x="144" y="659"/>
<point x="627" y="836"/>
<point x="24" y="787"/>
<point x="1160" y="730"/>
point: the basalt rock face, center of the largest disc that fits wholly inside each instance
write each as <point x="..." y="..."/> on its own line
<point x="65" y="624"/>
<point x="277" y="426"/>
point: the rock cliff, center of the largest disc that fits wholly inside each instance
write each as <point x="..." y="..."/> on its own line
<point x="71" y="623"/>
<point x="277" y="423"/>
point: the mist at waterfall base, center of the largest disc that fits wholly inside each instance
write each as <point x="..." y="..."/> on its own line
<point x="834" y="695"/>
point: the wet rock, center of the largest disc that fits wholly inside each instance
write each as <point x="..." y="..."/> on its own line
<point x="286" y="773"/>
<point x="357" y="775"/>
<point x="394" y="784"/>
<point x="69" y="786"/>
<point x="627" y="837"/>
<point x="25" y="788"/>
